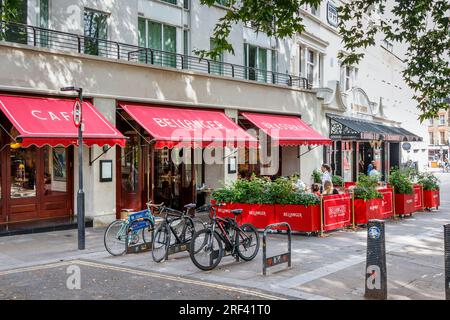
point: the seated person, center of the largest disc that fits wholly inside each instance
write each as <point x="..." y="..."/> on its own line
<point x="328" y="188"/>
<point x="315" y="189"/>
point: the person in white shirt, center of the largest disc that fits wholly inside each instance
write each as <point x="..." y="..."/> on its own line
<point x="326" y="173"/>
<point x="375" y="173"/>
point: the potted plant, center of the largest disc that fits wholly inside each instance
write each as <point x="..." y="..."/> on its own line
<point x="431" y="191"/>
<point x="316" y="176"/>
<point x="403" y="192"/>
<point x="338" y="182"/>
<point x="252" y="196"/>
<point x="367" y="200"/>
<point x="301" y="210"/>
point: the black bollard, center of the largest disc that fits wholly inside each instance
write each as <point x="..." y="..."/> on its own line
<point x="447" y="260"/>
<point x="376" y="274"/>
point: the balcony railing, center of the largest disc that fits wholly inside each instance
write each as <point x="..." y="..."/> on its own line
<point x="70" y="42"/>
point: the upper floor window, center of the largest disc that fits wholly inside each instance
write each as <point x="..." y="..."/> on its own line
<point x="431" y="138"/>
<point x="349" y="77"/>
<point x="256" y="62"/>
<point x="441" y="120"/>
<point x="225" y="3"/>
<point x="171" y="1"/>
<point x="314" y="10"/>
<point x="160" y="37"/>
<point x="95" y="30"/>
<point x="19" y="10"/>
<point x="431" y="121"/>
<point x="216" y="66"/>
<point x="43" y="22"/>
<point x="311" y="66"/>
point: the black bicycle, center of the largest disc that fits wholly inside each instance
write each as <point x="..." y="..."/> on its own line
<point x="209" y="245"/>
<point x="177" y="228"/>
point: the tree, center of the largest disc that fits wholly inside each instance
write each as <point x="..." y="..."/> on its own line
<point x="422" y="25"/>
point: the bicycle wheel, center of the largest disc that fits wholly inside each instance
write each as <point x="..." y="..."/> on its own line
<point x="161" y="241"/>
<point x="206" y="249"/>
<point x="147" y="233"/>
<point x="192" y="225"/>
<point x="115" y="236"/>
<point x="248" y="242"/>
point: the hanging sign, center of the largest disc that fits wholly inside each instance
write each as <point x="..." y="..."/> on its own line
<point x="77" y="113"/>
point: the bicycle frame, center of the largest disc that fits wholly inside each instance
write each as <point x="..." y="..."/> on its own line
<point x="224" y="235"/>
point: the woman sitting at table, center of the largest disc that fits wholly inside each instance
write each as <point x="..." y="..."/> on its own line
<point x="328" y="189"/>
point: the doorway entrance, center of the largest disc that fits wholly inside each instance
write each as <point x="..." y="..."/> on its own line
<point x="36" y="183"/>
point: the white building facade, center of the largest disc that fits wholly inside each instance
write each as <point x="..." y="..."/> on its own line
<point x="142" y="52"/>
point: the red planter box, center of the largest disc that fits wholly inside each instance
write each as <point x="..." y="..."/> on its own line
<point x="349" y="184"/>
<point x="387" y="205"/>
<point x="336" y="211"/>
<point x="366" y="210"/>
<point x="431" y="199"/>
<point x="418" y="198"/>
<point x="300" y="218"/>
<point x="404" y="204"/>
<point x="259" y="215"/>
<point x="225" y="210"/>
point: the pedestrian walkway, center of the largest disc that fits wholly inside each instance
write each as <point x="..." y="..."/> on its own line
<point x="332" y="267"/>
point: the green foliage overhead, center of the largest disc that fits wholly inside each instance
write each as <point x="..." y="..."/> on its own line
<point x="423" y="25"/>
<point x="258" y="190"/>
<point x="401" y="181"/>
<point x="428" y="180"/>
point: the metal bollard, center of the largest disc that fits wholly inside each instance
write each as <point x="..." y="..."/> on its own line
<point x="447" y="260"/>
<point x="281" y="258"/>
<point x="376" y="273"/>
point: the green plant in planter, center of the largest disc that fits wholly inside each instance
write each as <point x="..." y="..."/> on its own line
<point x="401" y="182"/>
<point x="428" y="181"/>
<point x="303" y="199"/>
<point x="366" y="188"/>
<point x="337" y="181"/>
<point x="317" y="176"/>
<point x="280" y="191"/>
<point x="223" y="195"/>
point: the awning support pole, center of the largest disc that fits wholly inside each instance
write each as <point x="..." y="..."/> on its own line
<point x="90" y="155"/>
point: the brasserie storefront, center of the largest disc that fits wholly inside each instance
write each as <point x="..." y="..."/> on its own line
<point x="358" y="142"/>
<point x="168" y="153"/>
<point x="37" y="140"/>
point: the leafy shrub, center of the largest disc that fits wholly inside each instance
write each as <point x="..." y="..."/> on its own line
<point x="401" y="181"/>
<point x="428" y="181"/>
<point x="366" y="188"/>
<point x="337" y="181"/>
<point x="263" y="191"/>
<point x="316" y="176"/>
<point x="304" y="199"/>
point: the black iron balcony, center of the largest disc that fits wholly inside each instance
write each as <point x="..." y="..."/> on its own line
<point x="64" y="41"/>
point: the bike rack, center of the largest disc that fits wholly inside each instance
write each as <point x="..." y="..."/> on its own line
<point x="280" y="258"/>
<point x="140" y="247"/>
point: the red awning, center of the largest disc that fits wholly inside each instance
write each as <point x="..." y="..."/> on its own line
<point x="49" y="121"/>
<point x="179" y="127"/>
<point x="286" y="130"/>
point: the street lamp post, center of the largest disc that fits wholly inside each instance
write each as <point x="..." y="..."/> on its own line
<point x="80" y="193"/>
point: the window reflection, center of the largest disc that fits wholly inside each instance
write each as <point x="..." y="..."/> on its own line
<point x="23" y="172"/>
<point x="55" y="171"/>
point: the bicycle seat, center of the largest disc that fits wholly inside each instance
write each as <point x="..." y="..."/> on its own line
<point x="190" y="206"/>
<point x="236" y="212"/>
